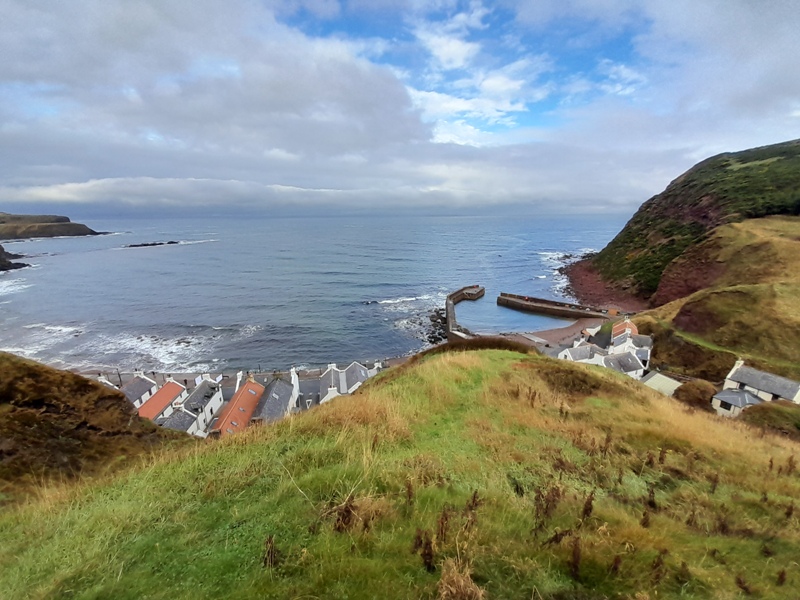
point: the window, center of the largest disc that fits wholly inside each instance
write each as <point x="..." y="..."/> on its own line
<point x="241" y="409"/>
<point x="724" y="405"/>
<point x="234" y="423"/>
<point x="229" y="430"/>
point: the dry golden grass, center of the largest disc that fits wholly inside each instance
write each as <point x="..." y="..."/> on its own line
<point x="456" y="582"/>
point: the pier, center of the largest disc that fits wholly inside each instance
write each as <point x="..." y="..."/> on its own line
<point x="553" y="308"/>
<point x="454" y="331"/>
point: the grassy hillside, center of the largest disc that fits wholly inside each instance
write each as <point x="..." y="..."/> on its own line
<point x="747" y="277"/>
<point x="727" y="188"/>
<point x="467" y="475"/>
<point x="58" y="425"/>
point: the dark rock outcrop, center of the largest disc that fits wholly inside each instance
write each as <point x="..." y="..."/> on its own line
<point x="6" y="258"/>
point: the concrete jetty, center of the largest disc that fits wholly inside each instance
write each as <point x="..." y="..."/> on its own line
<point x="553" y="308"/>
<point x="454" y="331"/>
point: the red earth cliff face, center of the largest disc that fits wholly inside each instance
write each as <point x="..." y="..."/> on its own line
<point x="588" y="287"/>
<point x="692" y="271"/>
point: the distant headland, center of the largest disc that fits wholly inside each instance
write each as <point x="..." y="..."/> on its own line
<point x="21" y="227"/>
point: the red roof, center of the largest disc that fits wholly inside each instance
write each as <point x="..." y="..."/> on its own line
<point x="236" y="415"/>
<point x="161" y="400"/>
<point x="620" y="327"/>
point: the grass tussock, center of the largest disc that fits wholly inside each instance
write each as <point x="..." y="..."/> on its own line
<point x="456" y="583"/>
<point x="470" y="475"/>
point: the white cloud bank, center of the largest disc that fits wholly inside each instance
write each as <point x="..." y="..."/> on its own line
<point x="555" y="105"/>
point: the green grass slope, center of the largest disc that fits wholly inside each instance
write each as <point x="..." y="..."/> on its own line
<point x="465" y="475"/>
<point x="726" y="188"/>
<point x="737" y="295"/>
<point x="58" y="425"/>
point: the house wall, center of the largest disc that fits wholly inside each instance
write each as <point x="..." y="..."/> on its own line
<point x="734" y="411"/>
<point x="765" y="396"/>
<point x="329" y="395"/>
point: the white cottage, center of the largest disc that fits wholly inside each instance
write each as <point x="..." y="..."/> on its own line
<point x="730" y="403"/>
<point x="766" y="386"/>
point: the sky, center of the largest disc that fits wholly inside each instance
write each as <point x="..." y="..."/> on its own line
<point x="565" y="106"/>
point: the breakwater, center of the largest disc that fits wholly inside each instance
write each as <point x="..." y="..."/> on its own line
<point x="455" y="331"/>
<point x="553" y="308"/>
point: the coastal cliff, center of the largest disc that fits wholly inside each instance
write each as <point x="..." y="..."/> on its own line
<point x="716" y="258"/>
<point x="20" y="227"/>
<point x="727" y="188"/>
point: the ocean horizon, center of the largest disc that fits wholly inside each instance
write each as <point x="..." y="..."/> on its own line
<point x="273" y="292"/>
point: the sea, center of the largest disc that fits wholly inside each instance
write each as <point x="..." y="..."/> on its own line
<point x="267" y="293"/>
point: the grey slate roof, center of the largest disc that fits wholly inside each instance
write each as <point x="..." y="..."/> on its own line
<point x="766" y="382"/>
<point x="136" y="388"/>
<point x="329" y="379"/>
<point x="178" y="420"/>
<point x="601" y="339"/>
<point x="740" y="398"/>
<point x="355" y="373"/>
<point x="200" y="396"/>
<point x="309" y="389"/>
<point x="642" y="341"/>
<point x="585" y="352"/>
<point x="624" y="363"/>
<point x="274" y="402"/>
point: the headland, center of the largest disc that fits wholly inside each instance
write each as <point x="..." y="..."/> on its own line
<point x="22" y="227"/>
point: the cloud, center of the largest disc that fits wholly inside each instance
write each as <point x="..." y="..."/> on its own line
<point x="568" y="104"/>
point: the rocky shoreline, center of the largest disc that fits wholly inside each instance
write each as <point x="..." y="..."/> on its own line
<point x="586" y="285"/>
<point x="6" y="259"/>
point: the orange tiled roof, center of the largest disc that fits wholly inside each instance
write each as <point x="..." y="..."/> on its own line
<point x="620" y="327"/>
<point x="236" y="415"/>
<point x="160" y="400"/>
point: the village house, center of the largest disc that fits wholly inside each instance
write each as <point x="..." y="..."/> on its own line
<point x="337" y="382"/>
<point x="195" y="413"/>
<point x="640" y="345"/>
<point x="730" y="403"/>
<point x="624" y="326"/>
<point x="627" y="364"/>
<point x="161" y="403"/>
<point x="139" y="389"/>
<point x="309" y="394"/>
<point x="235" y="417"/>
<point x="766" y="386"/>
<point x="584" y="352"/>
<point x="279" y="398"/>
<point x="661" y="383"/>
<point x="622" y="349"/>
